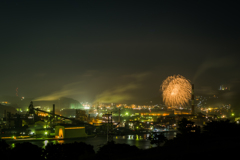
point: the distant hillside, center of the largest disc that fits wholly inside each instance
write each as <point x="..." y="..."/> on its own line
<point x="67" y="103"/>
<point x="17" y="102"/>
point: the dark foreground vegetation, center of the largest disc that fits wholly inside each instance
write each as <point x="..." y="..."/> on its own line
<point x="216" y="140"/>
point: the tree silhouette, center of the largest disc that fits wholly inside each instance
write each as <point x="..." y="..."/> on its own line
<point x="221" y="128"/>
<point x="116" y="151"/>
<point x="68" y="151"/>
<point x="4" y="148"/>
<point x="157" y="138"/>
<point x="187" y="127"/>
<point x="26" y="151"/>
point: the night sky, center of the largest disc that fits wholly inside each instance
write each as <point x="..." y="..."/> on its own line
<point x="116" y="51"/>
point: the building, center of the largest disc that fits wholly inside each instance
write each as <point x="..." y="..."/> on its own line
<point x="63" y="132"/>
<point x="81" y="115"/>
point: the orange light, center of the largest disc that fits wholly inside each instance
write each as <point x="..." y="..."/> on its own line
<point x="75" y="128"/>
<point x="60" y="133"/>
<point x="6" y="137"/>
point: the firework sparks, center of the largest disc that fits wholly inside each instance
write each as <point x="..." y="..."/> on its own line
<point x="176" y="91"/>
<point x="17" y="91"/>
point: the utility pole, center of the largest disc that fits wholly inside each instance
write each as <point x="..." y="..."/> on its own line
<point x="119" y="117"/>
<point x="53" y="114"/>
<point x="193" y="99"/>
<point x="97" y="107"/>
<point x="109" y="129"/>
<point x="107" y="126"/>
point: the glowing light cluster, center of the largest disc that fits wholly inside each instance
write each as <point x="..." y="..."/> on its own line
<point x="75" y="128"/>
<point x="176" y="91"/>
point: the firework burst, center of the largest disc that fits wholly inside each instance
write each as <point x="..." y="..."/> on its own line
<point x="176" y="91"/>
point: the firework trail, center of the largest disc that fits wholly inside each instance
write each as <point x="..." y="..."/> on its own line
<point x="176" y="91"/>
<point x="17" y="91"/>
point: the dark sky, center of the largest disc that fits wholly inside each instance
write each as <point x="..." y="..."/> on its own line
<point x="116" y="51"/>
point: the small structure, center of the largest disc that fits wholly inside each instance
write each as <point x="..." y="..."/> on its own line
<point x="81" y="115"/>
<point x="63" y="132"/>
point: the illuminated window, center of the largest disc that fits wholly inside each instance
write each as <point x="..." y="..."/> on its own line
<point x="60" y="133"/>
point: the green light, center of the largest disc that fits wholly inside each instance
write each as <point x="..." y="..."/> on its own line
<point x="46" y="133"/>
<point x="137" y="137"/>
<point x="232" y="114"/>
<point x="126" y="113"/>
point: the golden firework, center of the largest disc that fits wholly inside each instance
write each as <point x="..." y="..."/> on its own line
<point x="176" y="91"/>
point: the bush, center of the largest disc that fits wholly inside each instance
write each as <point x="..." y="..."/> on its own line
<point x="71" y="151"/>
<point x="26" y="151"/>
<point x="117" y="151"/>
<point x="4" y="148"/>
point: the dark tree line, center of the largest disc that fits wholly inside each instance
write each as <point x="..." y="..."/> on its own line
<point x="28" y="151"/>
<point x="71" y="151"/>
